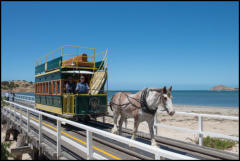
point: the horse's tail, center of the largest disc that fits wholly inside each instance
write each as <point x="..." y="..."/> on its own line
<point x="110" y="106"/>
<point x="110" y="103"/>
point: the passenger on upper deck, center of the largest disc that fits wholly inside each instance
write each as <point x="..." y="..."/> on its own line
<point x="82" y="86"/>
<point x="70" y="86"/>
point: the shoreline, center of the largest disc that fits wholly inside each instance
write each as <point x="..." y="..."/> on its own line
<point x="207" y="106"/>
<point x="215" y="125"/>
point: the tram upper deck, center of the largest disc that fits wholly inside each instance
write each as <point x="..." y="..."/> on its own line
<point x="82" y="61"/>
<point x="51" y="76"/>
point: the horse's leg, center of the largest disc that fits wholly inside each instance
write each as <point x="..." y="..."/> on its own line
<point x="136" y="124"/>
<point x="125" y="121"/>
<point x="115" y="117"/>
<point x="150" y="126"/>
<point x="120" y="124"/>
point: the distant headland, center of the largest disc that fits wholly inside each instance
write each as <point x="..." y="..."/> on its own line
<point x="223" y="88"/>
<point x="17" y="86"/>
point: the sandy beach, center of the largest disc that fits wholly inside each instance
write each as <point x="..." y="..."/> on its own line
<point x="222" y="126"/>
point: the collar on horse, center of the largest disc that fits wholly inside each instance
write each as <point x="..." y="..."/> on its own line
<point x="143" y="102"/>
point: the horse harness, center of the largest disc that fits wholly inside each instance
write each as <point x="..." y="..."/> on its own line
<point x="142" y="101"/>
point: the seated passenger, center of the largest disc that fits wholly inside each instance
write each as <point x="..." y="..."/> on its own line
<point x="82" y="86"/>
<point x="70" y="86"/>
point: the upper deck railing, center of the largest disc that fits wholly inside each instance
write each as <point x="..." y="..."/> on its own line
<point x="57" y="59"/>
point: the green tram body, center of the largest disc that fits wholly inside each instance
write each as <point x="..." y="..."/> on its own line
<point x="50" y="79"/>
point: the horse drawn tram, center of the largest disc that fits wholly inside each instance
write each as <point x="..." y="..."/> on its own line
<point x="73" y="85"/>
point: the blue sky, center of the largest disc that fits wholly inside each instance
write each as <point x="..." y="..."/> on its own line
<point x="189" y="45"/>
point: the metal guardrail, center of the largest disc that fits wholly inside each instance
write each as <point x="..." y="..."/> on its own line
<point x="157" y="152"/>
<point x="200" y="131"/>
<point x="25" y="98"/>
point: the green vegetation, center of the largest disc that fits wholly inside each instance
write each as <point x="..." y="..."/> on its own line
<point x="5" y="83"/>
<point x="217" y="143"/>
<point x="9" y="85"/>
<point x="4" y="152"/>
<point x="3" y="103"/>
<point x="26" y="85"/>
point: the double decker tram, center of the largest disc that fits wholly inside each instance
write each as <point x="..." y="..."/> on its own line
<point x="52" y="75"/>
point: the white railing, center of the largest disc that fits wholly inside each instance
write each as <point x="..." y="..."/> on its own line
<point x="200" y="131"/>
<point x="25" y="97"/>
<point x="30" y="99"/>
<point x="158" y="153"/>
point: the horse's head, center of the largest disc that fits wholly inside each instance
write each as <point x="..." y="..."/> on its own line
<point x="162" y="97"/>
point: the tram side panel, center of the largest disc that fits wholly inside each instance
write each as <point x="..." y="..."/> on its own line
<point x="94" y="105"/>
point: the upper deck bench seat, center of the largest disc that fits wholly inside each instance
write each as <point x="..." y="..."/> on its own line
<point x="80" y="60"/>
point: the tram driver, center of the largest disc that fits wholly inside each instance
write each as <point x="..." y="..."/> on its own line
<point x="82" y="86"/>
<point x="70" y="86"/>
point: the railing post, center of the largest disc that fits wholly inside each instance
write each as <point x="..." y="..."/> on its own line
<point x="200" y="129"/>
<point x="15" y="110"/>
<point x="157" y="156"/>
<point x="14" y="113"/>
<point x="40" y="131"/>
<point x="28" y="125"/>
<point x="89" y="145"/>
<point x="28" y="121"/>
<point x="20" y="116"/>
<point x="58" y="139"/>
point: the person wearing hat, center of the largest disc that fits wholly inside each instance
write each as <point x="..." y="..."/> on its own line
<point x="70" y="86"/>
<point x="82" y="86"/>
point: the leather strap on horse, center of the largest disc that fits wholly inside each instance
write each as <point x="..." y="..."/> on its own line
<point x="143" y="102"/>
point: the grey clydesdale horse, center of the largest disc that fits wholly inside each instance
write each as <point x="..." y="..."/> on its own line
<point x="141" y="106"/>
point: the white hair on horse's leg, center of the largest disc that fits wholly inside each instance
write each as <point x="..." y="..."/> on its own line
<point x="125" y="122"/>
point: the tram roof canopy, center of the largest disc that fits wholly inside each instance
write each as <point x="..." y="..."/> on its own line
<point x="78" y="72"/>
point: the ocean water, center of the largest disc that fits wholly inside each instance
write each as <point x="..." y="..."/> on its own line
<point x="197" y="97"/>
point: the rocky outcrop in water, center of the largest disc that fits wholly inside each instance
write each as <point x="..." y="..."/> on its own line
<point x="222" y="88"/>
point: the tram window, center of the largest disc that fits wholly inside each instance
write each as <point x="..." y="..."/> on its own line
<point x="42" y="88"/>
<point x="46" y="87"/>
<point x="52" y="84"/>
<point x="37" y="87"/>
<point x="49" y="87"/>
<point x="54" y="87"/>
<point x="58" y="87"/>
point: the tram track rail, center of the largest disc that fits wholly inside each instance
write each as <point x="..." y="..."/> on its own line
<point x="70" y="152"/>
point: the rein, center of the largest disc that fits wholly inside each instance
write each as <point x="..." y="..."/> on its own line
<point x="142" y="101"/>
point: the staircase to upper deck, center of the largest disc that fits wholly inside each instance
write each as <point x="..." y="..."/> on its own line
<point x="100" y="76"/>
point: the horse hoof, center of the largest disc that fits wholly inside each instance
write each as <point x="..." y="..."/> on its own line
<point x="154" y="144"/>
<point x="130" y="146"/>
<point x="114" y="131"/>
